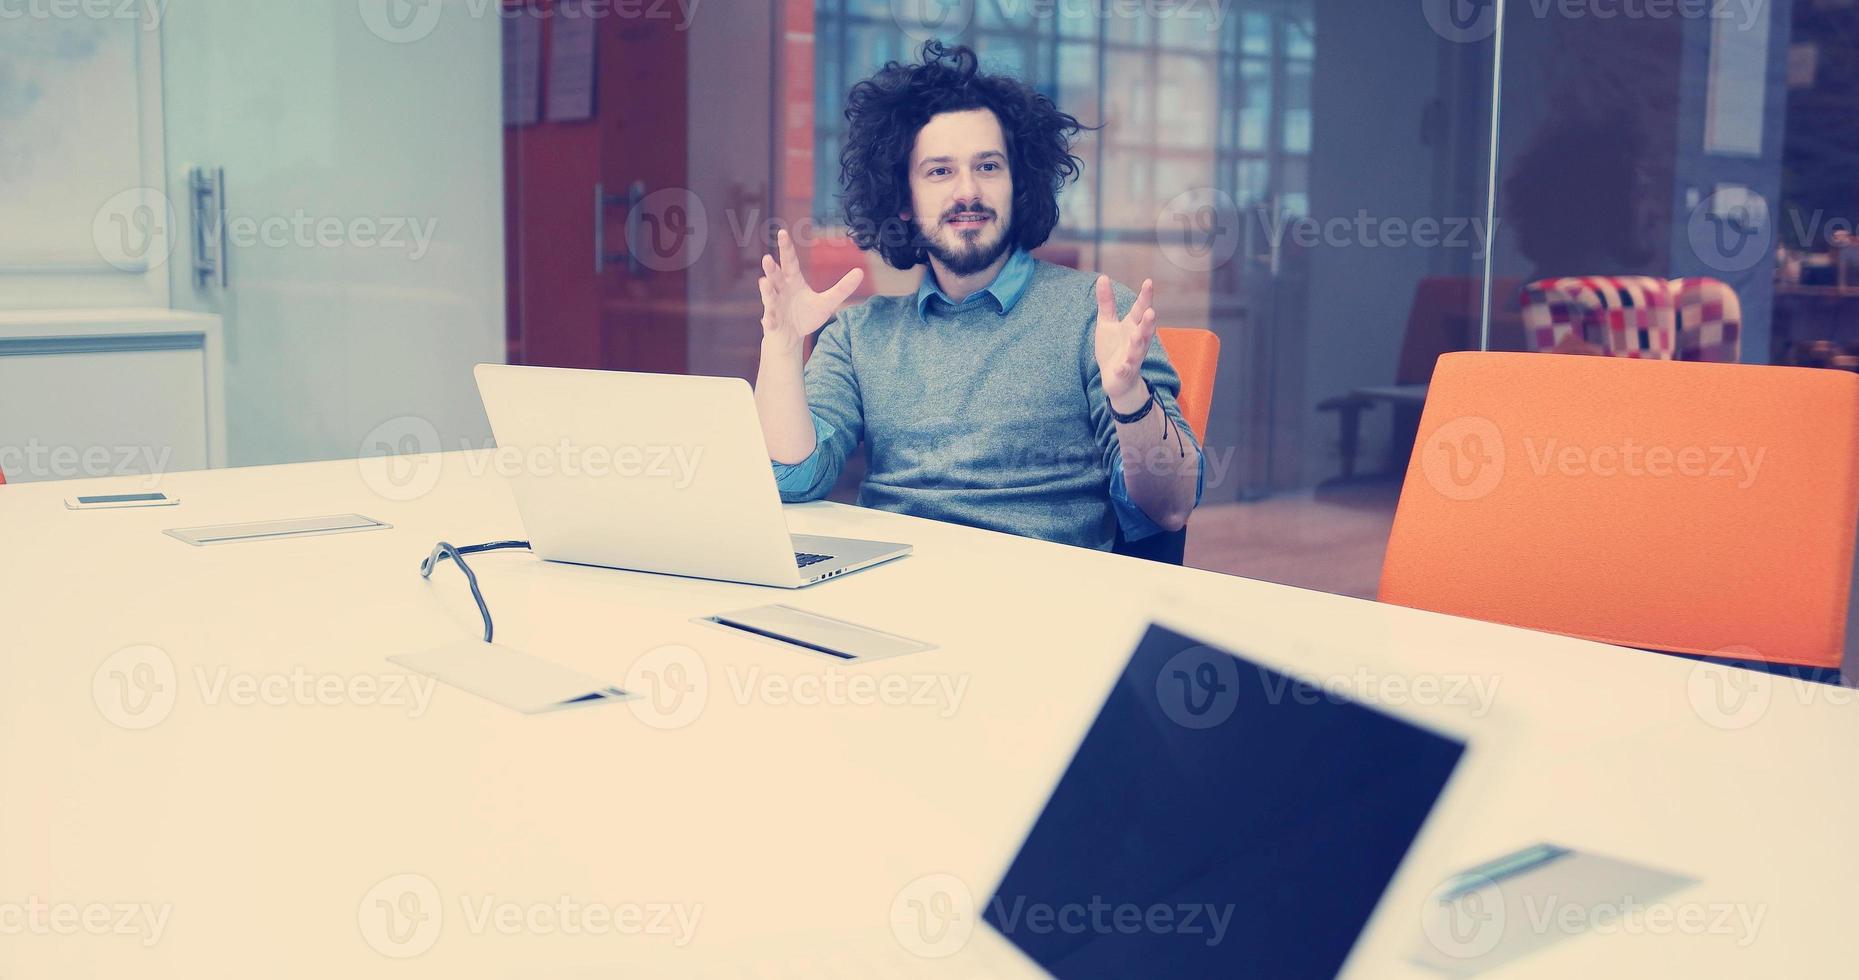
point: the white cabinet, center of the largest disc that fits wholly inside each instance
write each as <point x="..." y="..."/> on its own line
<point x="102" y="393"/>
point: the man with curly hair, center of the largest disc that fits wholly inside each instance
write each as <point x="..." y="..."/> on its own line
<point x="1008" y="393"/>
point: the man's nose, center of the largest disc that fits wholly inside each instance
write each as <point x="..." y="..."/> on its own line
<point x="967" y="189"/>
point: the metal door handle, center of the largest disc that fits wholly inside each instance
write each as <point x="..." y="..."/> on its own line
<point x="207" y="195"/>
<point x="635" y="194"/>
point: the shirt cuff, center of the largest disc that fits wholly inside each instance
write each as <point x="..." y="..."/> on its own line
<point x="1136" y="525"/>
<point x="799" y="477"/>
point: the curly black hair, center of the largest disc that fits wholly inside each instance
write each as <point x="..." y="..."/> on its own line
<point x="886" y="111"/>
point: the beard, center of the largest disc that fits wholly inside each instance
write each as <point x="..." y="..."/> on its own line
<point x="965" y="254"/>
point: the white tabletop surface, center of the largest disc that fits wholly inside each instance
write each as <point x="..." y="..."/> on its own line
<point x="211" y="769"/>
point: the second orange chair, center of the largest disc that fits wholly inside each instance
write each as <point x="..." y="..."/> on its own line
<point x="1695" y="508"/>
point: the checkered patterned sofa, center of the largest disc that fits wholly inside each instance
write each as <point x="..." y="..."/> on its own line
<point x="1636" y="316"/>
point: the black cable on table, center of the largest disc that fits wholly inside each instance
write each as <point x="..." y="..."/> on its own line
<point x="446" y="549"/>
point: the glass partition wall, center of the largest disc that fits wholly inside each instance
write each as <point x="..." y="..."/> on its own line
<point x="1305" y="178"/>
<point x="1308" y="179"/>
<point x="372" y="198"/>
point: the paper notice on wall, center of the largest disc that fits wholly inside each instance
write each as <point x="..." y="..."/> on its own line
<point x="522" y="69"/>
<point x="572" y="62"/>
<point x="1735" y="96"/>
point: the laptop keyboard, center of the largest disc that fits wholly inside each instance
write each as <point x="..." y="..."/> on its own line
<point x="806" y="559"/>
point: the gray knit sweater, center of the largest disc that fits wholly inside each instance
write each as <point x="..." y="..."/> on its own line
<point x="977" y="415"/>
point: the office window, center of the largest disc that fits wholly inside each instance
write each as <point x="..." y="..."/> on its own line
<point x="1186" y="104"/>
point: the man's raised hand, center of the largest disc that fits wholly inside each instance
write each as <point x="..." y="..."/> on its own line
<point x="792" y="310"/>
<point x="1122" y="343"/>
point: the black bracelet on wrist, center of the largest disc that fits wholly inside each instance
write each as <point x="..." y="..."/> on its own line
<point x="1139" y="414"/>
<point x="1143" y="413"/>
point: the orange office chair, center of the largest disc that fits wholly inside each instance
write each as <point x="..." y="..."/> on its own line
<point x="1196" y="356"/>
<point x="1195" y="353"/>
<point x="1695" y="508"/>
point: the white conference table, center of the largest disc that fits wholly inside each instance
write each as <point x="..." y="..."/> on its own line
<point x="265" y="780"/>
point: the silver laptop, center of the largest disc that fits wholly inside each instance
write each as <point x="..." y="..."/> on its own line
<point x="655" y="472"/>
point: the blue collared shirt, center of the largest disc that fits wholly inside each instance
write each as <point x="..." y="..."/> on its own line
<point x="1003" y="294"/>
<point x="1008" y="286"/>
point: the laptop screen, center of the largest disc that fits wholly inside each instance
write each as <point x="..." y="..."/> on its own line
<point x="1219" y="819"/>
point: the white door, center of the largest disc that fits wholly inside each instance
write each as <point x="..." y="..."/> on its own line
<point x="362" y="150"/>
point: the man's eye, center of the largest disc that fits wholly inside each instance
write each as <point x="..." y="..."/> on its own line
<point x="938" y="171"/>
<point x="990" y="166"/>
